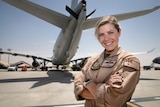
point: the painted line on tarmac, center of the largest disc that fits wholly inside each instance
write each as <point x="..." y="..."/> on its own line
<point x="131" y="104"/>
<point x="71" y="106"/>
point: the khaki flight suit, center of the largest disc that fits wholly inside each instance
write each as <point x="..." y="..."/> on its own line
<point x="107" y="96"/>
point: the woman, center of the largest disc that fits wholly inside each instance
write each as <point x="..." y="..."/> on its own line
<point x="108" y="79"/>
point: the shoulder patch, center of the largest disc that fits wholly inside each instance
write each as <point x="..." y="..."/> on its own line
<point x="132" y="63"/>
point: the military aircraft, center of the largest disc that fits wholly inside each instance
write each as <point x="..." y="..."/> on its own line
<point x="154" y="61"/>
<point x="71" y="26"/>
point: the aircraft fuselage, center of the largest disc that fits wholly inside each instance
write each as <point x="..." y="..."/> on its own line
<point x="68" y="40"/>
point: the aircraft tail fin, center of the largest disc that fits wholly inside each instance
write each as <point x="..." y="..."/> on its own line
<point x="74" y="3"/>
<point x="72" y="12"/>
<point x="75" y="8"/>
<point x="151" y="50"/>
<point x="90" y="13"/>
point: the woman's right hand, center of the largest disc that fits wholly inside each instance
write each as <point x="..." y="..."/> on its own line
<point x="86" y="94"/>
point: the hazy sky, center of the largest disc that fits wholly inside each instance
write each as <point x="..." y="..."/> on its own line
<point x="24" y="33"/>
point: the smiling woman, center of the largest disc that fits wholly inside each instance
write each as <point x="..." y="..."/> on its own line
<point x="109" y="78"/>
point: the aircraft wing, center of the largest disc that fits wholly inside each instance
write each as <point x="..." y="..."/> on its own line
<point x="28" y="56"/>
<point x="90" y="23"/>
<point x="43" y="13"/>
<point x="136" y="53"/>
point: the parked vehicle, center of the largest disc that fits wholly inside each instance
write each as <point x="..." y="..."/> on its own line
<point x="12" y="68"/>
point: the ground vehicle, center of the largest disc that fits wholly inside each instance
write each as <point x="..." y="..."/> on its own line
<point x="12" y="68"/>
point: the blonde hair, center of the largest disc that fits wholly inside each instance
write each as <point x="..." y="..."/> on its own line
<point x="107" y="19"/>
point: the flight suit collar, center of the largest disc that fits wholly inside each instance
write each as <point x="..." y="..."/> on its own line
<point x="116" y="51"/>
<point x="111" y="60"/>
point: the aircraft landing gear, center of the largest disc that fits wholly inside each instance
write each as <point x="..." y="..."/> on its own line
<point x="57" y="67"/>
<point x="44" y="69"/>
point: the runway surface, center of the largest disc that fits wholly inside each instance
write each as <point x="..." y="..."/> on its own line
<point x="55" y="89"/>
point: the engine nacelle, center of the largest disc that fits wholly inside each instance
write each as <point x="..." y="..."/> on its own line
<point x="35" y="63"/>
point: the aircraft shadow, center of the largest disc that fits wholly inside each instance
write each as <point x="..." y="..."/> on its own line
<point x="53" y="76"/>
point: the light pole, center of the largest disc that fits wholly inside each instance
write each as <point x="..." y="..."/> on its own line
<point x="8" y="55"/>
<point x="0" y="54"/>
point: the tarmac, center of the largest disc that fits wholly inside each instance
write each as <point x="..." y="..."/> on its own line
<point x="55" y="89"/>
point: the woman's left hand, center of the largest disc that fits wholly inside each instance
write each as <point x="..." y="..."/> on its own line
<point x="115" y="80"/>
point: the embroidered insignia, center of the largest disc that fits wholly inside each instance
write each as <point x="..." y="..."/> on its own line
<point x="95" y="66"/>
<point x="108" y="64"/>
<point x="131" y="63"/>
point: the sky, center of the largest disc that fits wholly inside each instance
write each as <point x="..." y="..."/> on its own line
<point x="23" y="33"/>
